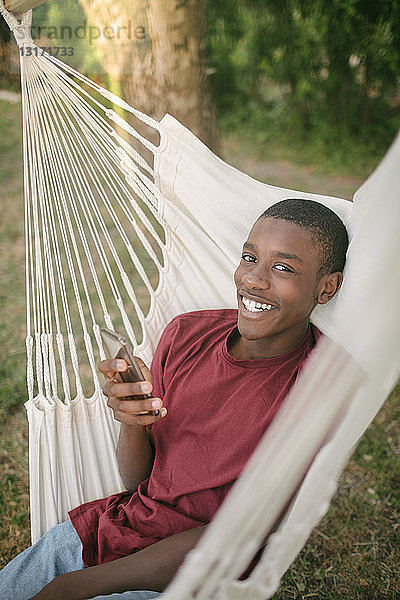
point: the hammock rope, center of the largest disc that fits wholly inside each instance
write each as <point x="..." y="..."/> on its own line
<point x="117" y="239"/>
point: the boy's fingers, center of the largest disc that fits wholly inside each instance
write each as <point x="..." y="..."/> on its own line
<point x="122" y="390"/>
<point x="143" y="419"/>
<point x="132" y="406"/>
<point x="149" y="419"/>
<point x="110" y="366"/>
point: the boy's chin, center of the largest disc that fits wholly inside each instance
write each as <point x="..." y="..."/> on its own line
<point x="251" y="333"/>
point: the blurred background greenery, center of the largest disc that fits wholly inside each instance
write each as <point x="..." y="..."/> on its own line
<point x="322" y="77"/>
<point x="302" y="94"/>
<point x="314" y="81"/>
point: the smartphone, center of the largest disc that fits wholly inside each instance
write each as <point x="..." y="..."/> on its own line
<point x="117" y="346"/>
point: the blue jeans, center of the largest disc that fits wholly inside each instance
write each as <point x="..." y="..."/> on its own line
<point x="58" y="551"/>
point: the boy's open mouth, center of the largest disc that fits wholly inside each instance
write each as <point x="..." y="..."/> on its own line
<point x="254" y="307"/>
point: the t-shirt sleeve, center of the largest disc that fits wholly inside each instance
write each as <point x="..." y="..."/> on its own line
<point x="160" y="358"/>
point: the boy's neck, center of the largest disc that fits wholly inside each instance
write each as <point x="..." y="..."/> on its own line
<point x="244" y="349"/>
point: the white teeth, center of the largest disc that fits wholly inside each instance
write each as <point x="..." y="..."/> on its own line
<point x="255" y="306"/>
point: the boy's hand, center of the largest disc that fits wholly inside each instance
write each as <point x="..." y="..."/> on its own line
<point x="127" y="399"/>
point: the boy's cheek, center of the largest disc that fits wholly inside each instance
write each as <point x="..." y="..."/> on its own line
<point x="237" y="276"/>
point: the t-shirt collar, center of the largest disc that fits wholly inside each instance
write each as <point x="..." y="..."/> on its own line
<point x="256" y="363"/>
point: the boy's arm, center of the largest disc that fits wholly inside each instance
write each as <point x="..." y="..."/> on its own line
<point x="135" y="451"/>
<point x="135" y="455"/>
<point x="149" y="569"/>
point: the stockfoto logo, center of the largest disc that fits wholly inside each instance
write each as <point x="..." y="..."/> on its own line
<point x="90" y="32"/>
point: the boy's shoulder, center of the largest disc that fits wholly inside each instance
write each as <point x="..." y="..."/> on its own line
<point x="189" y="332"/>
<point x="214" y="314"/>
<point x="202" y="322"/>
<point x="206" y="317"/>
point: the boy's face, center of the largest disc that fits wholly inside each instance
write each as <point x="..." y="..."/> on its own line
<point x="278" y="286"/>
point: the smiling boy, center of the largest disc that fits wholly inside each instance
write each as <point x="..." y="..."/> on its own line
<point x="218" y="378"/>
<point x="292" y="261"/>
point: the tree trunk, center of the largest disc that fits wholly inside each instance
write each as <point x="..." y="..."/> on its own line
<point x="156" y="55"/>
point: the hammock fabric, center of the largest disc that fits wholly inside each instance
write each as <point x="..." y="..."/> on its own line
<point x="112" y="240"/>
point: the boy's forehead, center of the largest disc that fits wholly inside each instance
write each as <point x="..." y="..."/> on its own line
<point x="278" y="235"/>
<point x="267" y="228"/>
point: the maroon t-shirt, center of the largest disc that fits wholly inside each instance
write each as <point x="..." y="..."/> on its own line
<point x="218" y="409"/>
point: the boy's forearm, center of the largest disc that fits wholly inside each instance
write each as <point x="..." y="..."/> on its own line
<point x="150" y="569"/>
<point x="135" y="455"/>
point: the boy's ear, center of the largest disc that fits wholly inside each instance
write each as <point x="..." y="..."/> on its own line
<point x="328" y="286"/>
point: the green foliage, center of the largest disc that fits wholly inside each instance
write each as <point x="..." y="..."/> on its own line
<point x="321" y="77"/>
<point x="317" y="74"/>
<point x="58" y="23"/>
<point x="226" y="27"/>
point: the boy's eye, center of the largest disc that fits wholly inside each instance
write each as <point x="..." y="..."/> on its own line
<point x="283" y="268"/>
<point x="248" y="257"/>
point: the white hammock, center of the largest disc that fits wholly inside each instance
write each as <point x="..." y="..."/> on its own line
<point x="98" y="217"/>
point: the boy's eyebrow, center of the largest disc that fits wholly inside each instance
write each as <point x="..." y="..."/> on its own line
<point x="288" y="256"/>
<point x="251" y="246"/>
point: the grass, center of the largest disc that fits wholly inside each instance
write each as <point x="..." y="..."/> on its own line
<point x="14" y="500"/>
<point x="353" y="554"/>
<point x="12" y="298"/>
<point x="277" y="134"/>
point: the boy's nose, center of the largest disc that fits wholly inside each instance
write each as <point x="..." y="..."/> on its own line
<point x="255" y="280"/>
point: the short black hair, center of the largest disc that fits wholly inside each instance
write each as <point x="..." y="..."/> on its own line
<point x="325" y="227"/>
